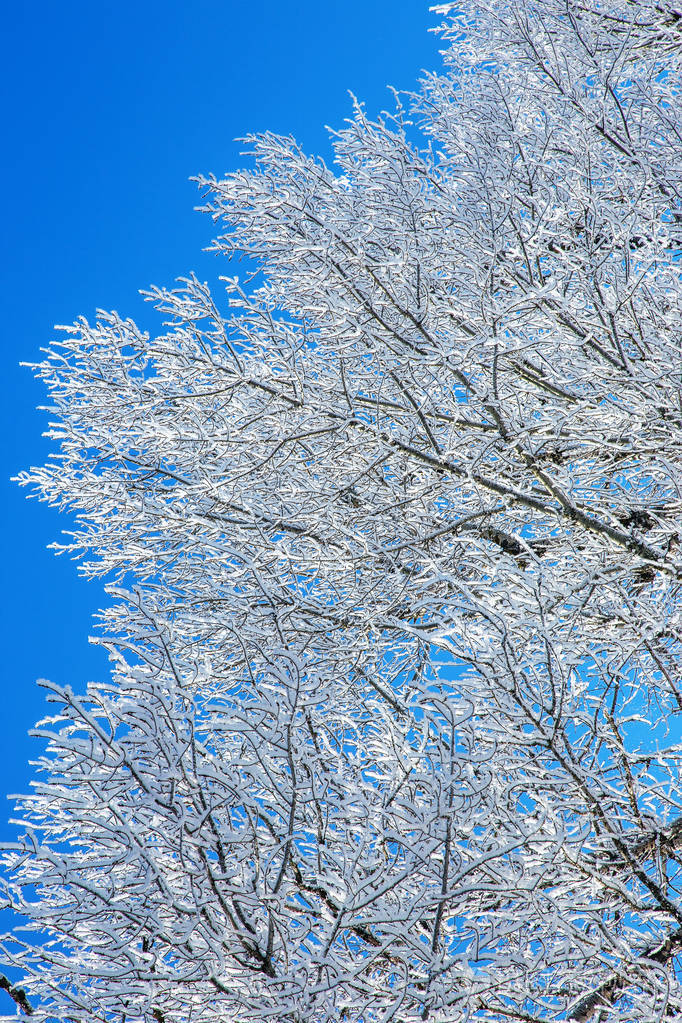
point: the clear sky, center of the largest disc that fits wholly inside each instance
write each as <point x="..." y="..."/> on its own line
<point x="109" y="109"/>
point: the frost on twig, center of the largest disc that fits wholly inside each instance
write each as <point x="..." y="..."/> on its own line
<point x="391" y="535"/>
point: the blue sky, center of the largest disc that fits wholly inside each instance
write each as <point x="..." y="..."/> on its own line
<point x="110" y="108"/>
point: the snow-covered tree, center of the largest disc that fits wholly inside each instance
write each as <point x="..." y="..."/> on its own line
<point x="392" y="535"/>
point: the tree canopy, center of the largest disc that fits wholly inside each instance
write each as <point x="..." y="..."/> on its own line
<point x="391" y="529"/>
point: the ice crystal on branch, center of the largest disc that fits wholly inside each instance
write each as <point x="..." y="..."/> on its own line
<point x="392" y="533"/>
